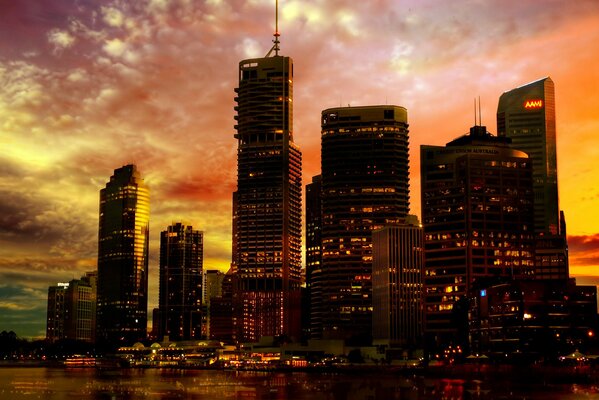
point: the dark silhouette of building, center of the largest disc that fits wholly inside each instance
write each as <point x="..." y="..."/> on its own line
<point x="123" y="259"/>
<point x="55" y="312"/>
<point x="181" y="275"/>
<point x="527" y="115"/>
<point x="397" y="265"/>
<point x="222" y="317"/>
<point x="211" y="288"/>
<point x="533" y="318"/>
<point x="313" y="252"/>
<point x="72" y="310"/>
<point x="551" y="255"/>
<point x="268" y="212"/>
<point x="477" y="216"/>
<point x="365" y="185"/>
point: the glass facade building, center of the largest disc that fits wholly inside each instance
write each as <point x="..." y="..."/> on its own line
<point x="365" y="185"/>
<point x="123" y="259"/>
<point x="527" y="116"/>
<point x="267" y="214"/>
<point x="180" y="286"/>
<point x="477" y="215"/>
<point x="313" y="250"/>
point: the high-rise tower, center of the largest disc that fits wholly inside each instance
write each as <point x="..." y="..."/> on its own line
<point x="180" y="293"/>
<point x="478" y="226"/>
<point x="527" y="116"/>
<point x="365" y="183"/>
<point x="313" y="252"/>
<point x="123" y="259"/>
<point x="267" y="203"/>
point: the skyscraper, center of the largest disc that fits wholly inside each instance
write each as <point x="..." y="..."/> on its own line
<point x="365" y="185"/>
<point x="313" y="251"/>
<point x="123" y="259"/>
<point x="527" y="116"/>
<point x="478" y="225"/>
<point x="180" y="291"/>
<point x="267" y="214"/>
<point x="398" y="260"/>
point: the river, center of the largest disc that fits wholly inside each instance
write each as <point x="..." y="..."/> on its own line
<point x="163" y="384"/>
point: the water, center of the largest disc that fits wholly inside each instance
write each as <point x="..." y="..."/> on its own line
<point x="58" y="384"/>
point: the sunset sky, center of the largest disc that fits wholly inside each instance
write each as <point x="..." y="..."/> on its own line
<point x="87" y="86"/>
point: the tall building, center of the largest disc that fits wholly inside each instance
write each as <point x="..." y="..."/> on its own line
<point x="123" y="259"/>
<point x="222" y="317"/>
<point x="478" y="225"/>
<point x="397" y="264"/>
<point x="180" y="286"/>
<point x="80" y="299"/>
<point x="211" y="288"/>
<point x="365" y="185"/>
<point x="72" y="309"/>
<point x="55" y="312"/>
<point x="313" y="251"/>
<point x="268" y="212"/>
<point x="527" y="115"/>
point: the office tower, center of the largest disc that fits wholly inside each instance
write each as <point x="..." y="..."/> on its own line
<point x="123" y="259"/>
<point x="365" y="182"/>
<point x="79" y="307"/>
<point x="478" y="224"/>
<point x="313" y="250"/>
<point x="71" y="310"/>
<point x="55" y="312"/>
<point x="222" y="317"/>
<point x="527" y="116"/>
<point x="180" y="291"/>
<point x="211" y="287"/>
<point x="91" y="279"/>
<point x="397" y="265"/>
<point x="268" y="213"/>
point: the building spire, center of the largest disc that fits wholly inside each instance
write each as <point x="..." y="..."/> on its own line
<point x="276" y="35"/>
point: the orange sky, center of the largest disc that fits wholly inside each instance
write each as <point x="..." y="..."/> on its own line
<point x="86" y="87"/>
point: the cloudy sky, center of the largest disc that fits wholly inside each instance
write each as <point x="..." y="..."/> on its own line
<point x="87" y="86"/>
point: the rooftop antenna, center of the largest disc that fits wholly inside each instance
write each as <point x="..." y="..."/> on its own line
<point x="480" y="118"/>
<point x="475" y="111"/>
<point x="276" y="41"/>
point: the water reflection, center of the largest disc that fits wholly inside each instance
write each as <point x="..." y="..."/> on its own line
<point x="58" y="384"/>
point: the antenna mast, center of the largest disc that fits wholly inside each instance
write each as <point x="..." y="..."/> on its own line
<point x="276" y="41"/>
<point x="480" y="118"/>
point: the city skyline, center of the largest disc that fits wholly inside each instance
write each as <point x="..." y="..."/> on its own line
<point x="87" y="89"/>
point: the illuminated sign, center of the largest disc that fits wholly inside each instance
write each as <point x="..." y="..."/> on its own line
<point x="483" y="293"/>
<point x="533" y="104"/>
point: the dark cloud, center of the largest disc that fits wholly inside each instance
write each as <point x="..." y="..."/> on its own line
<point x="584" y="250"/>
<point x="42" y="224"/>
<point x="583" y="243"/>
